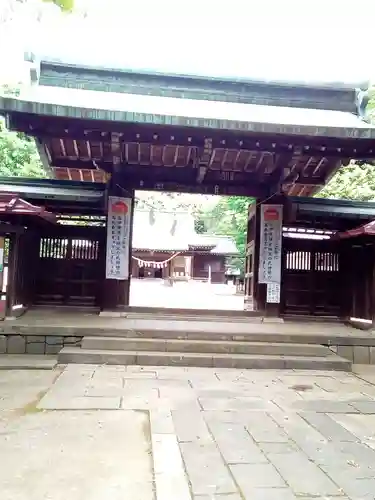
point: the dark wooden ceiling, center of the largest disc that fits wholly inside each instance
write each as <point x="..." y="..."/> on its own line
<point x="90" y="161"/>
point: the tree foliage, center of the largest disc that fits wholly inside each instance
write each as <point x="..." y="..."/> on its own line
<point x="371" y="105"/>
<point x="229" y="218"/>
<point x="18" y="155"/>
<point x="353" y="182"/>
<point x="65" y="5"/>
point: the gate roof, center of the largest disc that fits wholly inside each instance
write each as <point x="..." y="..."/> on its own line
<point x="190" y="133"/>
<point x="364" y="230"/>
<point x="12" y="205"/>
<point x="57" y="196"/>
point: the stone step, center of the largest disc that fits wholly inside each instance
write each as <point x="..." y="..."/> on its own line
<point x="217" y="360"/>
<point x="27" y="362"/>
<point x="266" y="333"/>
<point x="204" y="346"/>
<point x="193" y="317"/>
<point x="140" y="311"/>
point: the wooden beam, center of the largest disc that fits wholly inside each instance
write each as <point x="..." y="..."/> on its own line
<point x="309" y="181"/>
<point x="264" y="146"/>
<point x="320" y="163"/>
<point x="147" y="184"/>
<point x="158" y="174"/>
<point x="44" y="156"/>
<point x="11" y="228"/>
<point x="202" y="171"/>
<point x="204" y="160"/>
<point x="188" y="175"/>
<point x="296" y="167"/>
<point x="81" y="164"/>
<point x="275" y="179"/>
<point x="56" y="127"/>
<point x="163" y="173"/>
<point x="75" y="208"/>
<point x="116" y="149"/>
<point x="233" y="177"/>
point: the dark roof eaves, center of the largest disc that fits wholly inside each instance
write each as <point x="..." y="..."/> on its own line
<point x="66" y="184"/>
<point x="333" y="202"/>
<point x="9" y="105"/>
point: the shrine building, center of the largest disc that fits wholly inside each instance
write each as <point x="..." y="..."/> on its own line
<point x="102" y="134"/>
<point x="165" y="245"/>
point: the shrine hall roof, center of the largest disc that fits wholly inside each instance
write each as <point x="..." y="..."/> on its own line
<point x="149" y="109"/>
<point x="174" y="231"/>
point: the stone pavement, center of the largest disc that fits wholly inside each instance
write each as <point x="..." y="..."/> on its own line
<point x="191" y="295"/>
<point x="133" y="433"/>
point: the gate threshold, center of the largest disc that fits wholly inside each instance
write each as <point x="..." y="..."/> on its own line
<point x="137" y="311"/>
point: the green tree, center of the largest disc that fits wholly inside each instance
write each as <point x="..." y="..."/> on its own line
<point x="65" y="5"/>
<point x="228" y="218"/>
<point x="354" y="182"/>
<point x="18" y="155"/>
<point x="371" y="105"/>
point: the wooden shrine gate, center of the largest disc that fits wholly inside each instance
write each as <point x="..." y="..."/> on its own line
<point x="71" y="266"/>
<point x="311" y="278"/>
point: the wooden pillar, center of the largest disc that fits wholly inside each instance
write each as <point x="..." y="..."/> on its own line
<point x="348" y="272"/>
<point x="116" y="292"/>
<point x="260" y="301"/>
<point x="192" y="275"/>
<point x="11" y="294"/>
<point x="373" y="287"/>
<point x="171" y="269"/>
<point x="3" y="297"/>
<point x="249" y="259"/>
<point x="258" y="289"/>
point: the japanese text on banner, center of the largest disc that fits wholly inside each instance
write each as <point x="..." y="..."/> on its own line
<point x="118" y="234"/>
<point x="273" y="293"/>
<point x="271" y="217"/>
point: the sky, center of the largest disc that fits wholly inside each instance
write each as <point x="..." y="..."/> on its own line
<point x="293" y="40"/>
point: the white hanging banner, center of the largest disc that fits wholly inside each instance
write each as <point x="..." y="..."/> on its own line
<point x="118" y="235"/>
<point x="273" y="293"/>
<point x="271" y="226"/>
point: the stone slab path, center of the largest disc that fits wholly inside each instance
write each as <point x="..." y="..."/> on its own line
<point x="163" y="433"/>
